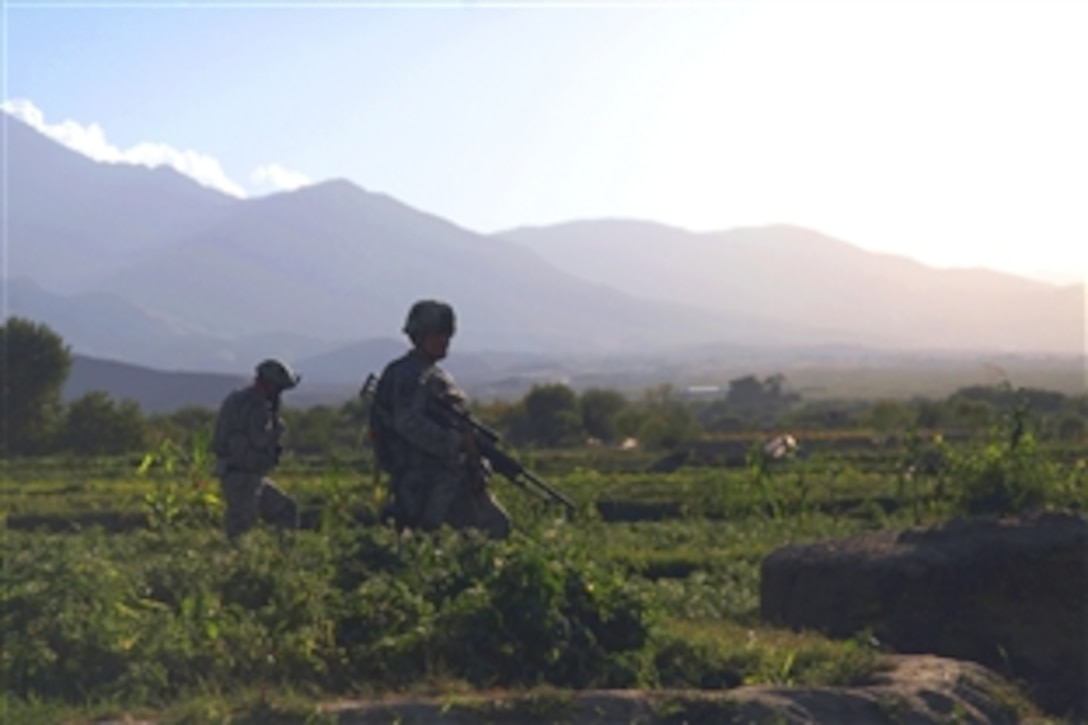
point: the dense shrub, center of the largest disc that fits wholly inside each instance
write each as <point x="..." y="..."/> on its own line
<point x="97" y="425"/>
<point x="1007" y="475"/>
<point x="154" y="614"/>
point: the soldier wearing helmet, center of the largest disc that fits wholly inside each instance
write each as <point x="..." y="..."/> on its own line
<point x="436" y="476"/>
<point x="247" y="443"/>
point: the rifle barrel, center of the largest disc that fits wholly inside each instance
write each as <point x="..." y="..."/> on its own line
<point x="555" y="493"/>
<point x="503" y="463"/>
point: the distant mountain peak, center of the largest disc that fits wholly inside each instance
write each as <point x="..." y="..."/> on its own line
<point x="338" y="185"/>
<point x="612" y="224"/>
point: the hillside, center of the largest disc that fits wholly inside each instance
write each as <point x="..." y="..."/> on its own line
<point x="811" y="279"/>
<point x="69" y="218"/>
<point x="155" y="391"/>
<point x="149" y="268"/>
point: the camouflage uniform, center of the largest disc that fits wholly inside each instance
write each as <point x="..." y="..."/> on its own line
<point x="247" y="443"/>
<point x="433" y="482"/>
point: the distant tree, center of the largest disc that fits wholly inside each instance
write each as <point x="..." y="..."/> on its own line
<point x="552" y="415"/>
<point x="1071" y="427"/>
<point x="774" y="386"/>
<point x="313" y="430"/>
<point x="34" y="364"/>
<point x="1042" y="401"/>
<point x="629" y="421"/>
<point x="717" y="417"/>
<point x="97" y="425"/>
<point x="515" y="424"/>
<point x="1004" y="397"/>
<point x="745" y="394"/>
<point x="827" y="415"/>
<point x="668" y="427"/>
<point x="494" y="413"/>
<point x="761" y="400"/>
<point x="350" y="428"/>
<point x="182" y="426"/>
<point x="193" y="417"/>
<point x="886" y="416"/>
<point x="930" y="414"/>
<point x="1079" y="404"/>
<point x="999" y="396"/>
<point x="599" y="409"/>
<point x="665" y="421"/>
<point x="976" y="413"/>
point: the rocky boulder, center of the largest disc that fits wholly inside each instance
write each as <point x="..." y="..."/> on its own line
<point x="1011" y="595"/>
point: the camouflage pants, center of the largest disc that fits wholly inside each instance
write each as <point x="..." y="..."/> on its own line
<point x="251" y="497"/>
<point x="429" y="498"/>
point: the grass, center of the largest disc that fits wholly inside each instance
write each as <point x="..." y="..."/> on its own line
<point x="185" y="598"/>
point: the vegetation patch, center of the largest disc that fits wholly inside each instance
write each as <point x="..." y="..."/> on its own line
<point x="120" y="593"/>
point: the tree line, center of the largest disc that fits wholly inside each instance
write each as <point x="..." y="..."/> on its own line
<point x="34" y="421"/>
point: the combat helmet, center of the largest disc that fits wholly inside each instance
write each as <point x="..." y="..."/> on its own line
<point x="428" y="316"/>
<point x="277" y="373"/>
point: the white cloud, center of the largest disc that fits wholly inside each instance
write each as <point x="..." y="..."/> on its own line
<point x="273" y="177"/>
<point x="201" y="167"/>
<point x="90" y="140"/>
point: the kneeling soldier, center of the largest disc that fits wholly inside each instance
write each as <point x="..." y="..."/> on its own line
<point x="247" y="444"/>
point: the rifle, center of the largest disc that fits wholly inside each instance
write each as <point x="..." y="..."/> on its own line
<point x="370" y="385"/>
<point x="366" y="399"/>
<point x="487" y="443"/>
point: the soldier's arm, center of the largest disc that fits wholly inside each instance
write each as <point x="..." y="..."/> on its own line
<point x="412" y="423"/>
<point x="253" y="444"/>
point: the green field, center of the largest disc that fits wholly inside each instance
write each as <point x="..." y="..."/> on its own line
<point x="122" y="595"/>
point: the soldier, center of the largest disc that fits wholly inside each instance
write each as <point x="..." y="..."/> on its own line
<point x="247" y="444"/>
<point x="437" y="475"/>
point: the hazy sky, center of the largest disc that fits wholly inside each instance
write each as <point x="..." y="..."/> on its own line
<point x="955" y="133"/>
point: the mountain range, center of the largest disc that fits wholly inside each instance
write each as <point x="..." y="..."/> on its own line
<point x="148" y="268"/>
<point x="814" y="281"/>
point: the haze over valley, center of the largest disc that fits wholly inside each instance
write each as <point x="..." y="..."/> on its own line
<point x="148" y="268"/>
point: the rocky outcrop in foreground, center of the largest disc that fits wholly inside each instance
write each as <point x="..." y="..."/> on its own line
<point x="914" y="689"/>
<point x="1009" y="594"/>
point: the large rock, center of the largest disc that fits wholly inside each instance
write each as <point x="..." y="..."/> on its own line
<point x="1009" y="594"/>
